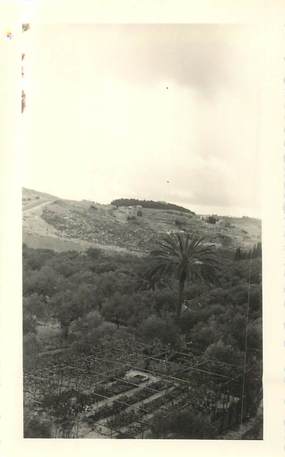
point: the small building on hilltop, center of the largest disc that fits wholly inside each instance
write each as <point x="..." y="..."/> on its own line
<point x="132" y="211"/>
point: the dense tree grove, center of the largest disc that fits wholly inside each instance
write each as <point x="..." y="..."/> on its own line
<point x="150" y="204"/>
<point x="93" y="299"/>
<point x="256" y="251"/>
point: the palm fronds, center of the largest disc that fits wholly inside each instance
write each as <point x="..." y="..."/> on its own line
<point x="185" y="257"/>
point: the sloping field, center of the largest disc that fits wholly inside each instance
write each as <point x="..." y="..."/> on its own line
<point x="65" y="224"/>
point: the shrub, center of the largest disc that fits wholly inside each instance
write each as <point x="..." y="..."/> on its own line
<point x="254" y="334"/>
<point x="37" y="427"/>
<point x="164" y="329"/>
<point x="223" y="352"/>
<point x="186" y="424"/>
<point x="179" y="222"/>
<point x="211" y="219"/>
<point x="202" y="335"/>
<point x="164" y="300"/>
<point x="34" y="306"/>
<point x="31" y="347"/>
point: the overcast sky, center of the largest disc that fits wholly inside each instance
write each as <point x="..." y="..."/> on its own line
<point x="162" y="112"/>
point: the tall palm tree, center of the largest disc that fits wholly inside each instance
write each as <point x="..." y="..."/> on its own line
<point x="186" y="258"/>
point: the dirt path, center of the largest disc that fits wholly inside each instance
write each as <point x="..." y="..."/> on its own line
<point x="34" y="205"/>
<point x="33" y="221"/>
<point x="53" y="351"/>
<point x="39" y="234"/>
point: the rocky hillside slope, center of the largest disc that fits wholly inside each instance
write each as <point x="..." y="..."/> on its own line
<point x="50" y="222"/>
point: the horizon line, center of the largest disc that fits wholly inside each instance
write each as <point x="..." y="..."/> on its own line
<point x="213" y="213"/>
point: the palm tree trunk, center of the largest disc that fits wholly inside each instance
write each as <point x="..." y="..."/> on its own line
<point x="180" y="297"/>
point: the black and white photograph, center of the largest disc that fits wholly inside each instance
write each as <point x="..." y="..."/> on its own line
<point x="142" y="224"/>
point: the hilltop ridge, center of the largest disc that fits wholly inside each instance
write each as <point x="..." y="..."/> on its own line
<point x="150" y="204"/>
<point x="60" y="224"/>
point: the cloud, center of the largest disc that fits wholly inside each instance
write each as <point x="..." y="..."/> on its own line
<point x="117" y="110"/>
<point x="202" y="56"/>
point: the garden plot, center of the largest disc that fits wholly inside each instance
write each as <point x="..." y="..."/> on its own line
<point x="131" y="415"/>
<point x="140" y="388"/>
<point x="134" y="420"/>
<point x="99" y="397"/>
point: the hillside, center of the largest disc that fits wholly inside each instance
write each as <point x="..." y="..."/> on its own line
<point x="50" y="222"/>
<point x="31" y="198"/>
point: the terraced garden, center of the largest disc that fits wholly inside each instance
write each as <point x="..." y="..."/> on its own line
<point x="99" y="397"/>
